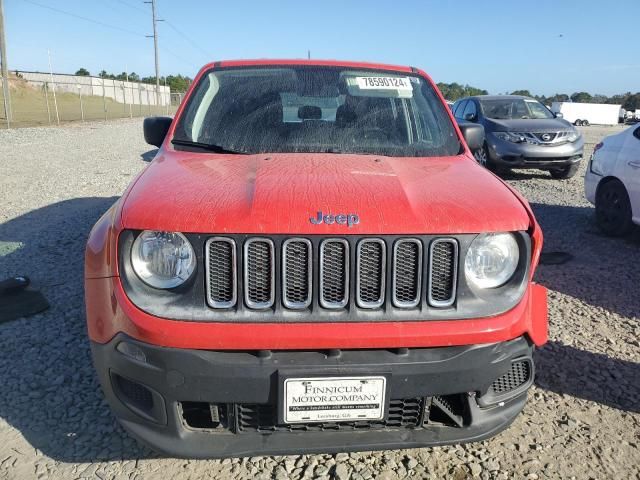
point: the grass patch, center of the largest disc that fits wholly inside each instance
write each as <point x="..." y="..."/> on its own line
<point x="29" y="107"/>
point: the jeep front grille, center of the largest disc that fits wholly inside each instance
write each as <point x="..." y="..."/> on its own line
<point x="334" y="273"/>
<point x="407" y="274"/>
<point x="259" y="268"/>
<point x="331" y="273"/>
<point x="370" y="277"/>
<point x="221" y="267"/>
<point x="443" y="258"/>
<point x="296" y="273"/>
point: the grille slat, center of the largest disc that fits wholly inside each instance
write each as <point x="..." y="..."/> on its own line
<point x="221" y="272"/>
<point x="443" y="261"/>
<point x="259" y="273"/>
<point x="407" y="273"/>
<point x="296" y="273"/>
<point x="370" y="277"/>
<point x="334" y="273"/>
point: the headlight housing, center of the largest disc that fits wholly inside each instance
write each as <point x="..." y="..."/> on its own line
<point x="510" y="137"/>
<point x="573" y="136"/>
<point x="162" y="259"/>
<point x="492" y="259"/>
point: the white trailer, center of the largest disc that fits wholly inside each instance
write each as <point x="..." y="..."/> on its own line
<point x="587" y="113"/>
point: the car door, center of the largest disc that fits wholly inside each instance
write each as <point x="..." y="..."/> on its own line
<point x="629" y="169"/>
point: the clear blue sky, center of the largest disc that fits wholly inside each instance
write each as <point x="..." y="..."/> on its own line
<point x="545" y="46"/>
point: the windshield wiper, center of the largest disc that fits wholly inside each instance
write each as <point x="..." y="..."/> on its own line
<point x="207" y="146"/>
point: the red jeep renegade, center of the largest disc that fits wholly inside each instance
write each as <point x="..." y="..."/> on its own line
<point x="314" y="262"/>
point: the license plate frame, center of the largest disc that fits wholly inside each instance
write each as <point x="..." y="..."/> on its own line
<point x="369" y="403"/>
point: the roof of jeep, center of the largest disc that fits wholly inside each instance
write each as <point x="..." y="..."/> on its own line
<point x="334" y="63"/>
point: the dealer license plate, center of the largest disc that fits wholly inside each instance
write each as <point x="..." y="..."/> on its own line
<point x="334" y="399"/>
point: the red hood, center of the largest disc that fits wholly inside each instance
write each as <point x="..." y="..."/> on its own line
<point x="278" y="193"/>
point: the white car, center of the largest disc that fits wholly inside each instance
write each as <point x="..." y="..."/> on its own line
<point x="612" y="181"/>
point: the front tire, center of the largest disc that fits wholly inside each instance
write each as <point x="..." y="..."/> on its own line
<point x="585" y="123"/>
<point x="613" y="209"/>
<point x="578" y="122"/>
<point x="565" y="173"/>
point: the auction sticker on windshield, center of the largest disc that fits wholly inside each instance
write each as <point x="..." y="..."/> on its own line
<point x="383" y="83"/>
<point x="334" y="399"/>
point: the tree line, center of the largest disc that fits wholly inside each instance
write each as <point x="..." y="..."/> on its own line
<point x="177" y="83"/>
<point x="451" y="91"/>
<point x="629" y="101"/>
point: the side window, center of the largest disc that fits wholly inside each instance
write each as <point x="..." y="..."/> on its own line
<point x="636" y="133"/>
<point x="458" y="111"/>
<point x="469" y="109"/>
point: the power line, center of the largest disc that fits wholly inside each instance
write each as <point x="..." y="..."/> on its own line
<point x="131" y="6"/>
<point x="123" y="30"/>
<point x="186" y="62"/>
<point x="86" y="19"/>
<point x="184" y="36"/>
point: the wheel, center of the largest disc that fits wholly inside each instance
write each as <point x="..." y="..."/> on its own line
<point x="613" y="209"/>
<point x="481" y="156"/>
<point x="565" y="172"/>
<point x="578" y="122"/>
<point x="585" y="123"/>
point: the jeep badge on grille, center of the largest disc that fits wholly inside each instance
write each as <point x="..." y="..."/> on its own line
<point x="349" y="219"/>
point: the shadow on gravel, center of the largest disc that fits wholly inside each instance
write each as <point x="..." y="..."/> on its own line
<point x="524" y="175"/>
<point x="591" y="376"/>
<point x="603" y="271"/>
<point x="48" y="389"/>
<point x="149" y="155"/>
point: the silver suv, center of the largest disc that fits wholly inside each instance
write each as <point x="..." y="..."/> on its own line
<point x="520" y="132"/>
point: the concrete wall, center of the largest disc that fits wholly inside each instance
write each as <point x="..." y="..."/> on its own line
<point x="133" y="93"/>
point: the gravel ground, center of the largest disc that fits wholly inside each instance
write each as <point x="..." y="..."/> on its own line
<point x="583" y="416"/>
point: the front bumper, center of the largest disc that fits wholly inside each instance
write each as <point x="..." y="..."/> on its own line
<point x="202" y="403"/>
<point x="525" y="155"/>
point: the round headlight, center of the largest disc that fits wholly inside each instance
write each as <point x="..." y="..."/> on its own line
<point x="163" y="259"/>
<point x="491" y="259"/>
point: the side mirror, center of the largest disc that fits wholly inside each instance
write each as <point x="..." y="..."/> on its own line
<point x="155" y="129"/>
<point x="473" y="134"/>
<point x="558" y="115"/>
<point x="470" y="117"/>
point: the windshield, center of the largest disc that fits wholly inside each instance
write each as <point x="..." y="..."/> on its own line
<point x="316" y="109"/>
<point x="510" y="108"/>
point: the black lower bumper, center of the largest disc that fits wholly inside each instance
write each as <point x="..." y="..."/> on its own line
<point x="523" y="161"/>
<point x="195" y="403"/>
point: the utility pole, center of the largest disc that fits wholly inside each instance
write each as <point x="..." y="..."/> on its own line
<point x="155" y="46"/>
<point x="5" y="68"/>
